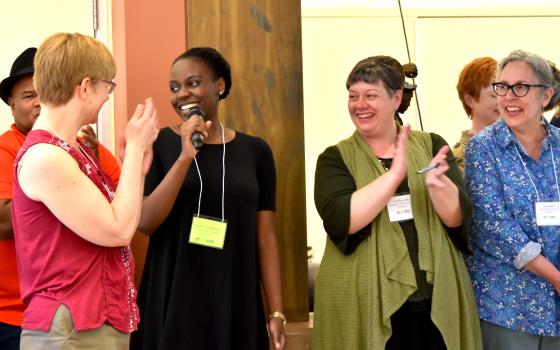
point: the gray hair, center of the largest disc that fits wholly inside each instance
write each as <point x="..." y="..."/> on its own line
<point x="546" y="72"/>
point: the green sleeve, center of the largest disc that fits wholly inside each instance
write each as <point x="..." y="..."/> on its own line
<point x="334" y="186"/>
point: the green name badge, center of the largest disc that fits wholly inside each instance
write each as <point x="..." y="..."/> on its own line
<point x="208" y="232"/>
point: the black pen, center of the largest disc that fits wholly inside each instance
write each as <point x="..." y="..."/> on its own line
<point x="433" y="166"/>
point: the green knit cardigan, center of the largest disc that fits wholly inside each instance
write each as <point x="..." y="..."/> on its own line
<point x="356" y="294"/>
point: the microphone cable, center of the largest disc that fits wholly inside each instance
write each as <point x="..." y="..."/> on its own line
<point x="409" y="61"/>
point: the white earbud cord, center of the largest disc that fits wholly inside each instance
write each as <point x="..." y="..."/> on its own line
<point x="223" y="177"/>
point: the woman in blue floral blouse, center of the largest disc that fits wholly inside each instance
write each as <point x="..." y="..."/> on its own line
<point x="511" y="171"/>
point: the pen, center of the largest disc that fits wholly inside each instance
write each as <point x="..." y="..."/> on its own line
<point x="433" y="166"/>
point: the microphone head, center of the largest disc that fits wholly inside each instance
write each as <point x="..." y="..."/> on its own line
<point x="195" y="110"/>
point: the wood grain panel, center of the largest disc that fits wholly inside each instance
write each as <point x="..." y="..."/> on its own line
<point x="261" y="39"/>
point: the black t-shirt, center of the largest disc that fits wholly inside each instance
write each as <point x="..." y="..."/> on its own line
<point x="195" y="297"/>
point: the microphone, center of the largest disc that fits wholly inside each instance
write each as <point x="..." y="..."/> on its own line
<point x="196" y="137"/>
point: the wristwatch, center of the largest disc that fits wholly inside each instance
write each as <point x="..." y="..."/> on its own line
<point x="277" y="314"/>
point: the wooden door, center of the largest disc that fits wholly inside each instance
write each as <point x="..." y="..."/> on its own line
<point x="262" y="41"/>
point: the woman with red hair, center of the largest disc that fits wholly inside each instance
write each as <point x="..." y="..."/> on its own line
<point x="478" y="99"/>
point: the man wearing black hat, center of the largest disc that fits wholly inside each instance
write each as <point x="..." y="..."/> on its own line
<point x="16" y="91"/>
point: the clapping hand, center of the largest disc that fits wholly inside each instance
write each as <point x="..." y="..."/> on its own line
<point x="400" y="159"/>
<point x="436" y="177"/>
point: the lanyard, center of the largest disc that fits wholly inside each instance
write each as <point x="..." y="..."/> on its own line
<point x="529" y="174"/>
<point x="223" y="176"/>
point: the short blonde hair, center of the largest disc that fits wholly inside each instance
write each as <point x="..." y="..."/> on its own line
<point x="63" y="60"/>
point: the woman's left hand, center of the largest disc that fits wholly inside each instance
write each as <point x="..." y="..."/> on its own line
<point x="277" y="332"/>
<point x="436" y="177"/>
<point x="444" y="194"/>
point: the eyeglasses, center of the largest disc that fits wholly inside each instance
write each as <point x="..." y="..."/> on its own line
<point x="518" y="90"/>
<point x="111" y="87"/>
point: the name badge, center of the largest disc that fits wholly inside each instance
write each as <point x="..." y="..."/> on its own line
<point x="208" y="232"/>
<point x="400" y="208"/>
<point x="548" y="213"/>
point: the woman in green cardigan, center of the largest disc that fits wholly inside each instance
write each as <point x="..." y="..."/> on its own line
<point x="392" y="275"/>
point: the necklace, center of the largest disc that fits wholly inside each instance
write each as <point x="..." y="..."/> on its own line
<point x="84" y="153"/>
<point x="383" y="163"/>
<point x="52" y="131"/>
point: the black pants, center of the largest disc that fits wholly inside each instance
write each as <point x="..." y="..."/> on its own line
<point x="9" y="337"/>
<point x="414" y="330"/>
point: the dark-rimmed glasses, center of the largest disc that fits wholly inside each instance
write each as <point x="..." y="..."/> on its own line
<point x="519" y="90"/>
<point x="112" y="86"/>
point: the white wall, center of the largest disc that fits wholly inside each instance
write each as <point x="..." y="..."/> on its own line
<point x="309" y="4"/>
<point x="457" y="41"/>
<point x="26" y="23"/>
<point x="442" y="40"/>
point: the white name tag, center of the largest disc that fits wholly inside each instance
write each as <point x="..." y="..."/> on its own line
<point x="548" y="213"/>
<point x="400" y="208"/>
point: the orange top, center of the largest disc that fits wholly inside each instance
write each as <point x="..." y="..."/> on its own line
<point x="11" y="306"/>
<point x="10" y="142"/>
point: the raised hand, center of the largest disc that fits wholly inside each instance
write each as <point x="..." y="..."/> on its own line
<point x="400" y="159"/>
<point x="436" y="177"/>
<point x="142" y="130"/>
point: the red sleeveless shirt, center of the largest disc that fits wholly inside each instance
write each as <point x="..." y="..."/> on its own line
<point x="56" y="266"/>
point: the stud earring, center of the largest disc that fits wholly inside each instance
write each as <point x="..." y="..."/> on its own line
<point x="220" y="93"/>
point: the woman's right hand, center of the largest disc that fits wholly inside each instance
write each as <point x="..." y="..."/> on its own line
<point x="556" y="285"/>
<point x="544" y="268"/>
<point x="141" y="132"/>
<point x="399" y="165"/>
<point x="142" y="128"/>
<point x="190" y="126"/>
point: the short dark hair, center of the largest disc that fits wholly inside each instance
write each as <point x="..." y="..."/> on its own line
<point x="378" y="68"/>
<point x="215" y="61"/>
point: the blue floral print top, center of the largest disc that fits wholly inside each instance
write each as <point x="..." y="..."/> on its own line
<point x="505" y="235"/>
